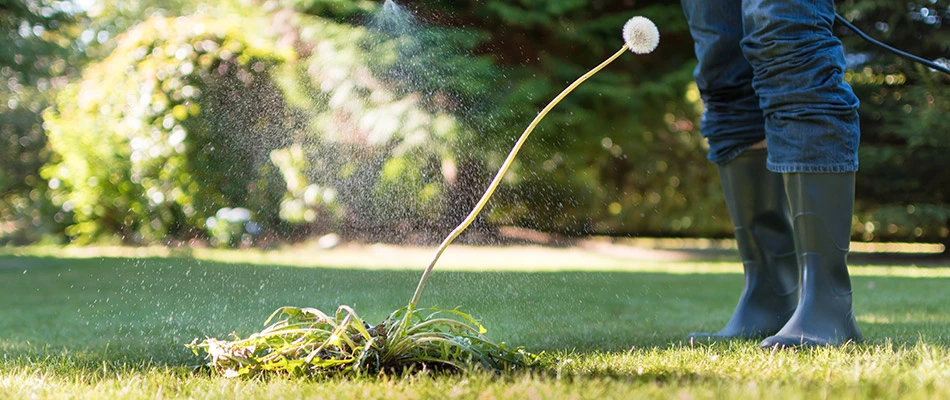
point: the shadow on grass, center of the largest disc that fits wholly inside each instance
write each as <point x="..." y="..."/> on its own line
<point x="140" y="313"/>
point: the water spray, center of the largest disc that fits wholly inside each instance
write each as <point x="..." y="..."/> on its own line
<point x="640" y="36"/>
<point x="307" y="341"/>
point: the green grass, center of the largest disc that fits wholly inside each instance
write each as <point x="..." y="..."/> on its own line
<point x="89" y="326"/>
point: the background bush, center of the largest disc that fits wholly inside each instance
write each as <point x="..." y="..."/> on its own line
<point x="177" y="123"/>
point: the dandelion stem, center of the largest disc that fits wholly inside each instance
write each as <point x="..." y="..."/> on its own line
<point x="501" y="173"/>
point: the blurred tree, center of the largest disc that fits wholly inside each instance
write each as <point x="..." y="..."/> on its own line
<point x="903" y="190"/>
<point x="36" y="59"/>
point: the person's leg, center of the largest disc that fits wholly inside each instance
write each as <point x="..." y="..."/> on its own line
<point x="811" y="123"/>
<point x="732" y="120"/>
<point x="733" y="124"/>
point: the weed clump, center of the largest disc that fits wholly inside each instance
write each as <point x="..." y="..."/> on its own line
<point x="306" y="342"/>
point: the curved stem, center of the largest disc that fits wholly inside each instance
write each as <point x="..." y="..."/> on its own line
<point x="501" y="173"/>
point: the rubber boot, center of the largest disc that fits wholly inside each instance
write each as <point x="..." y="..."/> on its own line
<point x="758" y="207"/>
<point x="821" y="205"/>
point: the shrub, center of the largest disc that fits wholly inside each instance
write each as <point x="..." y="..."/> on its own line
<point x="177" y="123"/>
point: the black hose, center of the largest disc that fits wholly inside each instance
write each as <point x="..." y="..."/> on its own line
<point x="898" y="52"/>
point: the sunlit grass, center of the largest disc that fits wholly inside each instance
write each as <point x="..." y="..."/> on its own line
<point x="103" y="327"/>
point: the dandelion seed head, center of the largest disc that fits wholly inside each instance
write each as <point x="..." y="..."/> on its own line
<point x="640" y="35"/>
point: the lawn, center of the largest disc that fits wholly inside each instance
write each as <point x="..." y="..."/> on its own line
<point x="112" y="323"/>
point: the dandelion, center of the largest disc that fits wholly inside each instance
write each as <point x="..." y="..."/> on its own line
<point x="640" y="35"/>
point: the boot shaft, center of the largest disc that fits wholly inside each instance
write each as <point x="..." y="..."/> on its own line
<point x="822" y="206"/>
<point x="758" y="207"/>
<point x="827" y="197"/>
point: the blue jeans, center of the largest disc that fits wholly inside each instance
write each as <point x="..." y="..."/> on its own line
<point x="773" y="70"/>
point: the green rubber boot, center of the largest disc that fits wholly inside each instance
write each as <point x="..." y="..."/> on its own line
<point x="821" y="205"/>
<point x="758" y="207"/>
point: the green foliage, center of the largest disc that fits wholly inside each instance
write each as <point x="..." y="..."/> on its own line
<point x="303" y="202"/>
<point x="176" y="124"/>
<point x="35" y="60"/>
<point x="337" y="9"/>
<point x="903" y="190"/>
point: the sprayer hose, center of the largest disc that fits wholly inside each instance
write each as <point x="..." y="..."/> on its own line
<point x="891" y="49"/>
